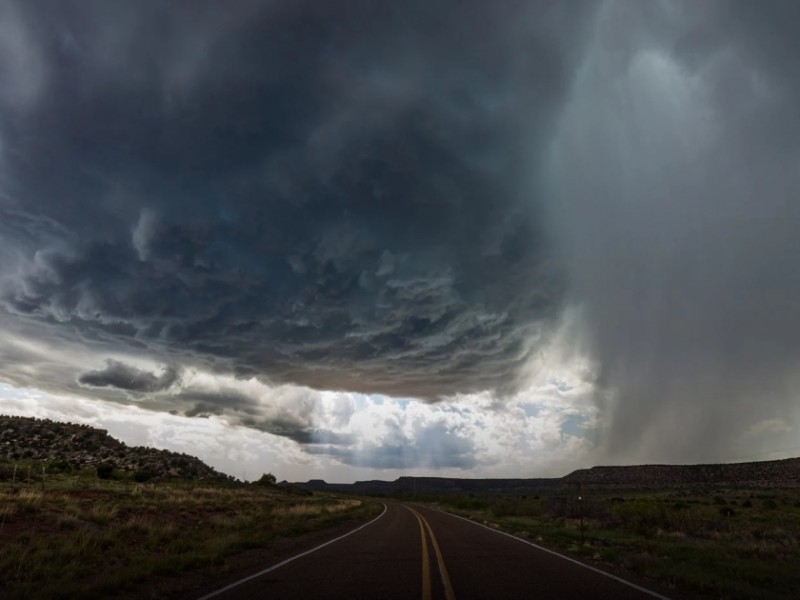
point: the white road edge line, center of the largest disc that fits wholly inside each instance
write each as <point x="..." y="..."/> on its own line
<point x="554" y="553"/>
<point x="288" y="560"/>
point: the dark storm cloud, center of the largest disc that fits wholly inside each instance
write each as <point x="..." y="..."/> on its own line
<point x="675" y="194"/>
<point x="125" y="377"/>
<point x="404" y="198"/>
<point x="339" y="194"/>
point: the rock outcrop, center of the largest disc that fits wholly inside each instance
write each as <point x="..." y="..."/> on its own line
<point x="66" y="446"/>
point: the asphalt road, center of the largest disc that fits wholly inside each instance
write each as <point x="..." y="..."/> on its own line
<point x="416" y="552"/>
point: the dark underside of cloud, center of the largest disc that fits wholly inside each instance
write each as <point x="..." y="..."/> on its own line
<point x="124" y="377"/>
<point x="338" y="194"/>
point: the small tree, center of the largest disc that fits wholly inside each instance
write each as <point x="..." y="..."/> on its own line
<point x="267" y="479"/>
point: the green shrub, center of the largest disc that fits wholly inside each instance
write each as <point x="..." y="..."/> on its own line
<point x="59" y="466"/>
<point x="268" y="480"/>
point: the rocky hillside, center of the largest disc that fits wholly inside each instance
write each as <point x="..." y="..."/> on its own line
<point x="71" y="446"/>
<point x="769" y="473"/>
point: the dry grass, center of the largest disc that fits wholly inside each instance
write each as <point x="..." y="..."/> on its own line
<point x="77" y="541"/>
<point x="727" y="543"/>
<point x="313" y="509"/>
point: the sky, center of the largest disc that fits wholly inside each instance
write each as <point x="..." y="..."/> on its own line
<point x="354" y="240"/>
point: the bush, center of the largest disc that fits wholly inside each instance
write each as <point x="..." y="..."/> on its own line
<point x="59" y="466"/>
<point x="293" y="490"/>
<point x="105" y="470"/>
<point x="642" y="516"/>
<point x="268" y="480"/>
<point x="6" y="472"/>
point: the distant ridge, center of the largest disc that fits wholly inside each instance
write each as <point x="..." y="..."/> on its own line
<point x="426" y="485"/>
<point x="74" y="446"/>
<point x="772" y="473"/>
<point x="769" y="473"/>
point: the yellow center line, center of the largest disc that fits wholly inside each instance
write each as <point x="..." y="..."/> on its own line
<point x="446" y="583"/>
<point x="448" y="586"/>
<point x="426" y="565"/>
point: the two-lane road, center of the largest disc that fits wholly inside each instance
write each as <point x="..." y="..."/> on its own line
<point x="417" y="552"/>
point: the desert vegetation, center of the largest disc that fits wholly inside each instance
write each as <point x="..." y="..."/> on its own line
<point x="106" y="537"/>
<point x="725" y="542"/>
<point x="82" y="515"/>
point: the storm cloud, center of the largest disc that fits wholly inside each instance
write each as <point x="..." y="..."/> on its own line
<point x="445" y="201"/>
<point x="340" y="194"/>
<point x="125" y="377"/>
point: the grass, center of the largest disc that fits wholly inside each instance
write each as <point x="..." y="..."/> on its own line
<point x="726" y="543"/>
<point x="82" y="538"/>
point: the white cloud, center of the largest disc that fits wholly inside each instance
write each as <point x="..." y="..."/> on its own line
<point x="504" y="437"/>
<point x="245" y="427"/>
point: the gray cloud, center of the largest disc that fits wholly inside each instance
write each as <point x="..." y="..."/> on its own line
<point x="125" y="377"/>
<point x="341" y="195"/>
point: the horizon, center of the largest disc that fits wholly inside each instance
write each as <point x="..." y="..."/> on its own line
<point x="256" y="476"/>
<point x="456" y="239"/>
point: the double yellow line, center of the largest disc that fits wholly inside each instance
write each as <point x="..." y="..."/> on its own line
<point x="426" y="565"/>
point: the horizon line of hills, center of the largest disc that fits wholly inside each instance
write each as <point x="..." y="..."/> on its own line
<point x="784" y="473"/>
<point x="81" y="446"/>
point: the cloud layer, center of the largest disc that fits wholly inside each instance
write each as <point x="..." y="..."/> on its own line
<point x="224" y="213"/>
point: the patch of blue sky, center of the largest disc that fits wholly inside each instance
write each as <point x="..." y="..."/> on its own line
<point x="531" y="410"/>
<point x="574" y="425"/>
<point x="561" y="385"/>
<point x="9" y="391"/>
<point x="380" y="400"/>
